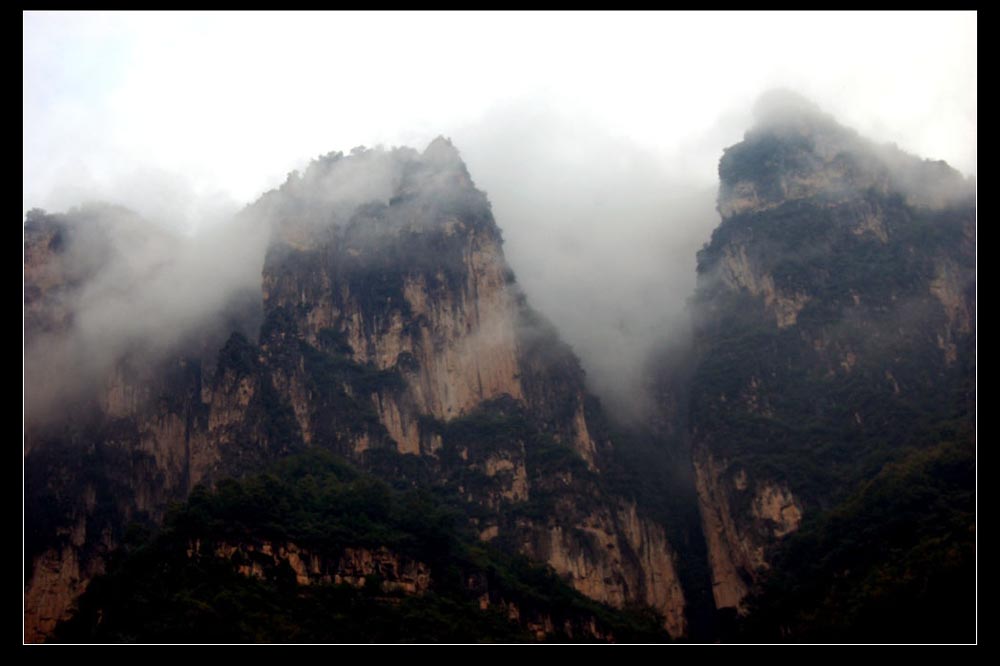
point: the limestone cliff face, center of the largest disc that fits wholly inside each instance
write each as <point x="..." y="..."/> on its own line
<point x="615" y="557"/>
<point x="739" y="272"/>
<point x="354" y="566"/>
<point x="393" y="334"/>
<point x="58" y="578"/>
<point x="44" y="275"/>
<point x="108" y="441"/>
<point x="395" y="574"/>
<point x="835" y="305"/>
<point x="414" y="289"/>
<point x="736" y="547"/>
<point x="949" y="286"/>
<point x="150" y="436"/>
<point x="731" y="557"/>
<point x="453" y="342"/>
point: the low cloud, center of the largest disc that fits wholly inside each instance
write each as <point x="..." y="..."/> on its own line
<point x="123" y="288"/>
<point x="601" y="233"/>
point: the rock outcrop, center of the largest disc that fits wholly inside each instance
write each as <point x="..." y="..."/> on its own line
<point x="415" y="289"/>
<point x="355" y="566"/>
<point x="393" y="334"/>
<point x="834" y="312"/>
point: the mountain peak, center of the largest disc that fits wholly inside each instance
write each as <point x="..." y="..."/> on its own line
<point x="797" y="151"/>
<point x="441" y="151"/>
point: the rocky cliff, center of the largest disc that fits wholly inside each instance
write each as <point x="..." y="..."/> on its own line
<point x="821" y="433"/>
<point x="317" y="551"/>
<point x="415" y="291"/>
<point x="393" y="334"/>
<point x="834" y="322"/>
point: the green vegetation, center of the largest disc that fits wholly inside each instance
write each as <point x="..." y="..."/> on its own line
<point x="157" y="592"/>
<point x="331" y="372"/>
<point x="341" y="391"/>
<point x="82" y="453"/>
<point x="763" y="160"/>
<point x="333" y="341"/>
<point x="895" y="562"/>
<point x="238" y="356"/>
<point x="862" y="377"/>
<point x="860" y="407"/>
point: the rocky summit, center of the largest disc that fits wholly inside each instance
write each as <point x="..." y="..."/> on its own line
<point x="393" y="334"/>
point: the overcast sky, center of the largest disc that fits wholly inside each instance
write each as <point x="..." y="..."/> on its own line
<point x="227" y="103"/>
<point x="597" y="136"/>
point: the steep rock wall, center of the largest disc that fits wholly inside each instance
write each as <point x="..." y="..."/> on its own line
<point x="834" y="313"/>
<point x="389" y="323"/>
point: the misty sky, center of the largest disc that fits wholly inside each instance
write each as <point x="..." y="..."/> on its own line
<point x="225" y="104"/>
<point x="596" y="136"/>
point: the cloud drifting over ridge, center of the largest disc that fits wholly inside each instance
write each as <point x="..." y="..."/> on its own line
<point x="595" y="135"/>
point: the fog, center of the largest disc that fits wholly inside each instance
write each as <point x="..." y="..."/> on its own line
<point x="124" y="289"/>
<point x="601" y="234"/>
<point x="596" y="136"/>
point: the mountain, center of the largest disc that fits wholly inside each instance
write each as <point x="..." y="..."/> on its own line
<point x="342" y="420"/>
<point x="389" y="331"/>
<point x="832" y="403"/>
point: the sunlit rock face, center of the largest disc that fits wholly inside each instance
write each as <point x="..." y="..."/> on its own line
<point x="414" y="289"/>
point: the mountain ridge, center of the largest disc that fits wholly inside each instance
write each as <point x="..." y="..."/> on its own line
<point x="388" y="316"/>
<point x="828" y="392"/>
